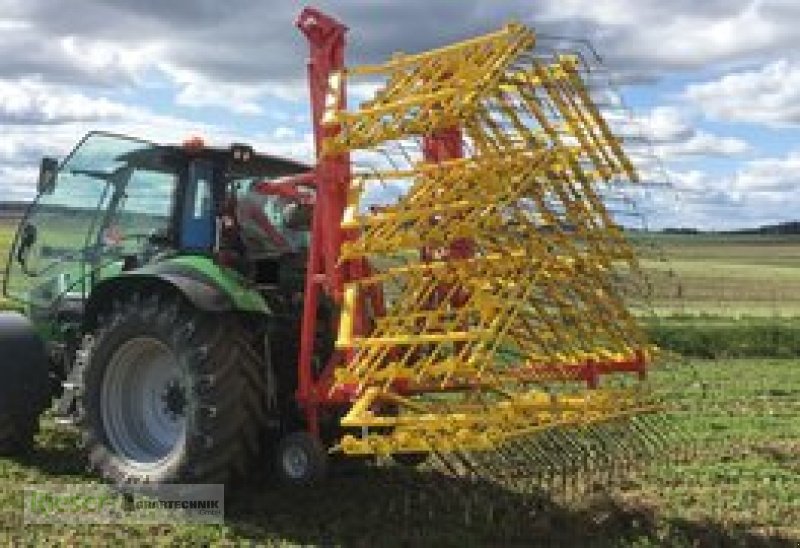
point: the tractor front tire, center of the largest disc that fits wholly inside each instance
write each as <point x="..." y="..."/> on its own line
<point x="173" y="395"/>
<point x="16" y="434"/>
<point x="24" y="383"/>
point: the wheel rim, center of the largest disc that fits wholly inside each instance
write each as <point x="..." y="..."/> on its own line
<point x="143" y="403"/>
<point x="295" y="462"/>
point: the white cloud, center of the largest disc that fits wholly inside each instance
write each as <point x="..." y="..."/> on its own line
<point x="761" y="191"/>
<point x="249" y="44"/>
<point x="692" y="180"/>
<point x="103" y="56"/>
<point x="283" y="132"/>
<point x="703" y="143"/>
<point x="666" y="124"/>
<point x="770" y="175"/>
<point x="29" y="102"/>
<point x="195" y="90"/>
<point x="770" y="95"/>
<point x="240" y="100"/>
<point x="653" y="35"/>
<point x="674" y="134"/>
<point x="298" y="147"/>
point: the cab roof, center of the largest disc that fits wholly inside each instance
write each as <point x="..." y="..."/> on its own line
<point x="258" y="164"/>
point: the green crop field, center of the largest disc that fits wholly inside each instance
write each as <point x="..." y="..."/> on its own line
<point x="736" y="484"/>
<point x="730" y="275"/>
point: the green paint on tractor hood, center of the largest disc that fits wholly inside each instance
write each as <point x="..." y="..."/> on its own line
<point x="203" y="268"/>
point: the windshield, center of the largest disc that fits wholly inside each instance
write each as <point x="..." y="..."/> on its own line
<point x="103" y="154"/>
<point x="109" y="186"/>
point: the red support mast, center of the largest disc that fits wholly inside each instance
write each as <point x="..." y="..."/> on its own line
<point x="326" y="38"/>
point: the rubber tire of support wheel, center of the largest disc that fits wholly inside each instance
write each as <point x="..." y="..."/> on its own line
<point x="301" y="460"/>
<point x="224" y="387"/>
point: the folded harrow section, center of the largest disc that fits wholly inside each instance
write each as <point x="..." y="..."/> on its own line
<point x="494" y="283"/>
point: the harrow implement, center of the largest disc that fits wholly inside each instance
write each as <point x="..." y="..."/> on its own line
<point x="486" y="302"/>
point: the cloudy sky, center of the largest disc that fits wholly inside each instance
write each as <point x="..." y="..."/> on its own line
<point x="716" y="83"/>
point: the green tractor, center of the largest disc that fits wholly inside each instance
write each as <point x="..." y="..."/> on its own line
<point x="178" y="305"/>
<point x="163" y="288"/>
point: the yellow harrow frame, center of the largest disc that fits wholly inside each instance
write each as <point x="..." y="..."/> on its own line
<point x="488" y="300"/>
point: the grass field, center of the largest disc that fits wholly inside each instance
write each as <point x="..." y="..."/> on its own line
<point x="730" y="275"/>
<point x="738" y="484"/>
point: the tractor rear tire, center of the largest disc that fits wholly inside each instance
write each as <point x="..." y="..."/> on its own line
<point x="173" y="395"/>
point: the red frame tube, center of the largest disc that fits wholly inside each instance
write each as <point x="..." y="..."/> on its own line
<point x="326" y="38"/>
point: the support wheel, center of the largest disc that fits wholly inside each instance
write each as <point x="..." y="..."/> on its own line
<point x="301" y="460"/>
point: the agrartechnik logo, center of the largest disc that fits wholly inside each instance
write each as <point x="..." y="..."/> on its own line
<point x="131" y="504"/>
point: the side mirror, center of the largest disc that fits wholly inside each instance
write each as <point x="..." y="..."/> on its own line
<point x="297" y="216"/>
<point x="47" y="175"/>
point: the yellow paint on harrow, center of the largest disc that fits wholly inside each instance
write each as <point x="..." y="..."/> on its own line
<point x="488" y="339"/>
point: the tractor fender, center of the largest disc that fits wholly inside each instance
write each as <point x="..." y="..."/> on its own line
<point x="202" y="291"/>
<point x="24" y="367"/>
<point x="201" y="295"/>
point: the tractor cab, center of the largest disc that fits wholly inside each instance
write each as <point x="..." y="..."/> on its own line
<point x="118" y="203"/>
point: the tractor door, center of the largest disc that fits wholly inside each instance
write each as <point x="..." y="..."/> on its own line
<point x="101" y="202"/>
<point x="197" y="229"/>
